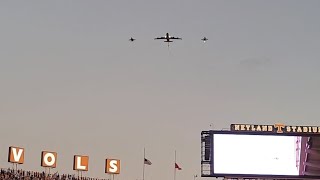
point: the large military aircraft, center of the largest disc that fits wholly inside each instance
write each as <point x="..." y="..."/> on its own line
<point x="168" y="38"/>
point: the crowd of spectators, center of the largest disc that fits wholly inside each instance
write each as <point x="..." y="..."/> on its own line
<point x="12" y="174"/>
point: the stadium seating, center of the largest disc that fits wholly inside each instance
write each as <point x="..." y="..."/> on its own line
<point x="11" y="174"/>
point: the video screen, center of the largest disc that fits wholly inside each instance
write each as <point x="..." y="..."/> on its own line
<point x="259" y="154"/>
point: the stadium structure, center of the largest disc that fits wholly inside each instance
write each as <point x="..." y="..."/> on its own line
<point x="307" y="151"/>
<point x="13" y="174"/>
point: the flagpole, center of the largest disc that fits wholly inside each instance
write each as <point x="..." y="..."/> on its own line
<point x="144" y="157"/>
<point x="175" y="161"/>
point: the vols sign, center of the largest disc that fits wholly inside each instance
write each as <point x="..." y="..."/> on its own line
<point x="48" y="159"/>
<point x="16" y="155"/>
<point x="81" y="163"/>
<point x="113" y="166"/>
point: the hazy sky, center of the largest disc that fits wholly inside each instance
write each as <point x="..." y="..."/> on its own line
<point x="71" y="82"/>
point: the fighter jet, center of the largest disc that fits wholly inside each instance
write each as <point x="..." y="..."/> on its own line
<point x="132" y="39"/>
<point x="204" y="39"/>
<point x="168" y="38"/>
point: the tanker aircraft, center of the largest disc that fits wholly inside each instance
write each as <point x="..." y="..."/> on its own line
<point x="168" y="38"/>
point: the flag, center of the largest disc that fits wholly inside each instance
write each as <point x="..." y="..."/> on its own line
<point x="146" y="161"/>
<point x="177" y="166"/>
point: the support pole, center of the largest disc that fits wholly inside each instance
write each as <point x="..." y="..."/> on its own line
<point x="175" y="161"/>
<point x="144" y="157"/>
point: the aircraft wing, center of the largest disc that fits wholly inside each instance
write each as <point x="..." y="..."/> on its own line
<point x="160" y="38"/>
<point x="175" y="38"/>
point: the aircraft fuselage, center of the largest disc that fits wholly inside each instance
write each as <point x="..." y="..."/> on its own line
<point x="168" y="38"/>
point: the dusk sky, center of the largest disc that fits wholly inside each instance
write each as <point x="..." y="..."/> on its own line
<point x="72" y="83"/>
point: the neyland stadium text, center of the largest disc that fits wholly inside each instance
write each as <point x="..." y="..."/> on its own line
<point x="277" y="128"/>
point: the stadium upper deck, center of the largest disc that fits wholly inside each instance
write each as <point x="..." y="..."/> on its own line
<point x="11" y="174"/>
